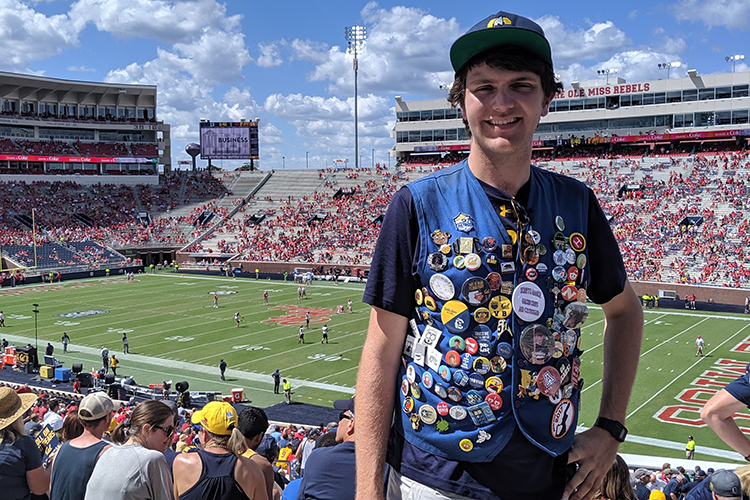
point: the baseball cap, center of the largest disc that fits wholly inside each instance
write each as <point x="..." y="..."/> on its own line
<point x="345" y="404"/>
<point x="97" y="404"/>
<point x="216" y="417"/>
<point x="726" y="484"/>
<point x="657" y="495"/>
<point x="499" y="30"/>
<point x="639" y="473"/>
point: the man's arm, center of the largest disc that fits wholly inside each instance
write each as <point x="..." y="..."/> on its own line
<point x="717" y="413"/>
<point x="595" y="449"/>
<point x="376" y="385"/>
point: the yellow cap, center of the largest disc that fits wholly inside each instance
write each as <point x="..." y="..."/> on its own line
<point x="217" y="418"/>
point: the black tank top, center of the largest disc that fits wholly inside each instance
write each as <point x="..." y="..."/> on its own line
<point x="217" y="479"/>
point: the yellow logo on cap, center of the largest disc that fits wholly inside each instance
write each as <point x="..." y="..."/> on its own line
<point x="499" y="21"/>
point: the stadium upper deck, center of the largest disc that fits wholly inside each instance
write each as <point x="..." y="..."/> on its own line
<point x="52" y="126"/>
<point x="672" y="116"/>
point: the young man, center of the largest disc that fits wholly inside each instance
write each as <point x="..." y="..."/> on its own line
<point x="252" y="422"/>
<point x="699" y="345"/>
<point x="238" y="318"/>
<point x="76" y="459"/>
<point x="113" y="364"/>
<point x="301" y="334"/>
<point x="105" y="359"/>
<point x="216" y="299"/>
<point x="65" y="342"/>
<point x="222" y="368"/>
<point x="276" y="380"/>
<point x="307" y="319"/>
<point x="325" y="334"/>
<point x="265" y="296"/>
<point x="125" y="344"/>
<point x="287" y="391"/>
<point x="510" y="223"/>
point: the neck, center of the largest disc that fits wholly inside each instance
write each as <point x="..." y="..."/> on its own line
<point x="507" y="172"/>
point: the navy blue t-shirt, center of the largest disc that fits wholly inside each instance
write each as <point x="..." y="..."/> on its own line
<point x="740" y="387"/>
<point x="15" y="460"/>
<point x="390" y="286"/>
<point x="329" y="474"/>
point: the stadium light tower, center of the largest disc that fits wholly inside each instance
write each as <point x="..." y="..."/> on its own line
<point x="36" y="327"/>
<point x="669" y="65"/>
<point x="355" y="37"/>
<point x="734" y="59"/>
<point x="607" y="72"/>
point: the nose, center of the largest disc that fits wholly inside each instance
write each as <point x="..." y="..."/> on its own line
<point x="502" y="100"/>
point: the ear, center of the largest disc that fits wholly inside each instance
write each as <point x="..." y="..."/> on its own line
<point x="545" y="105"/>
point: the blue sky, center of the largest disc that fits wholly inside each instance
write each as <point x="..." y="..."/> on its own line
<point x="285" y="62"/>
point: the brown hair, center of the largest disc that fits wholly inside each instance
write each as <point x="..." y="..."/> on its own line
<point x="509" y="59"/>
<point x="72" y="426"/>
<point x="616" y="482"/>
<point x="149" y="412"/>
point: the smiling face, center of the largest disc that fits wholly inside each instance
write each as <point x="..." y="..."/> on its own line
<point x="157" y="438"/>
<point x="503" y="109"/>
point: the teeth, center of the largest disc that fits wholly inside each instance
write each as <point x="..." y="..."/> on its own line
<point x="503" y="122"/>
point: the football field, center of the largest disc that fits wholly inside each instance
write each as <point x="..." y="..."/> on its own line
<point x="176" y="334"/>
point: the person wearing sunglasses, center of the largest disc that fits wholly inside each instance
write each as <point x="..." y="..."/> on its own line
<point x="136" y="469"/>
<point x="214" y="472"/>
<point x="494" y="250"/>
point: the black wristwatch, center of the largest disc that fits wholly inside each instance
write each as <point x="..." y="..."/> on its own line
<point x="618" y="431"/>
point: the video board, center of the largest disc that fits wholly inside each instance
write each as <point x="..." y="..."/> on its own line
<point x="229" y="140"/>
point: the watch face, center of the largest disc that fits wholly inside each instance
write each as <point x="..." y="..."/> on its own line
<point x="618" y="431"/>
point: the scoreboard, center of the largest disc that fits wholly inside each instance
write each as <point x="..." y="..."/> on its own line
<point x="229" y="140"/>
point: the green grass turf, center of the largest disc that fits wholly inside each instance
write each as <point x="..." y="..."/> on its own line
<point x="176" y="334"/>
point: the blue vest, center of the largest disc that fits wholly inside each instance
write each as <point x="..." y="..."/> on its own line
<point x="494" y="341"/>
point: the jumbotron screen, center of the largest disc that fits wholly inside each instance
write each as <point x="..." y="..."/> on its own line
<point x="229" y="140"/>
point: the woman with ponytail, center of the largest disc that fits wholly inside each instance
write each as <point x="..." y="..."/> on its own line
<point x="137" y="469"/>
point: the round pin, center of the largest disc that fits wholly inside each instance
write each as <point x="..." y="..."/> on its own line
<point x="418" y="297"/>
<point x="558" y="257"/>
<point x="481" y="365"/>
<point x="481" y="315"/>
<point x="437" y="262"/>
<point x="570" y="338"/>
<point x="528" y="302"/>
<point x="573" y="273"/>
<point x="570" y="256"/>
<point x="458" y="262"/>
<point x="441" y="391"/>
<point x="457" y="413"/>
<point x="581" y="261"/>
<point x="500" y="306"/>
<point x="576" y="314"/>
<point x="427" y="414"/>
<point x="548" y="380"/>
<point x="457" y="343"/>
<point x="559" y="349"/>
<point x="536" y="238"/>
<point x="427" y="379"/>
<point x="444" y="373"/>
<point x="445" y="249"/>
<point x="442" y="287"/>
<point x="498" y="364"/>
<point x="408" y="404"/>
<point x="559" y="274"/>
<point x="454" y="394"/>
<point x="577" y="242"/>
<point x="430" y="303"/>
<point x="568" y="390"/>
<point x="559" y="241"/>
<point x="455" y="316"/>
<point x="504" y="350"/>
<point x="537" y="344"/>
<point x="466" y="445"/>
<point x="495" y="401"/>
<point x="559" y="223"/>
<point x="476" y="291"/>
<point x="440" y="237"/>
<point x="491" y="259"/>
<point x="471" y="345"/>
<point x="531" y="274"/>
<point x="493" y="384"/>
<point x="411" y="374"/>
<point x="443" y="408"/>
<point x="473" y="261"/>
<point x="489" y="244"/>
<point x="556" y="397"/>
<point x="530" y="256"/>
<point x="482" y="332"/>
<point x="495" y="280"/>
<point x="405" y="387"/>
<point x="460" y="378"/>
<point x="562" y="418"/>
<point x="452" y="358"/>
<point x="473" y="397"/>
<point x="541" y="249"/>
<point x="466" y="361"/>
<point x="476" y="381"/>
<point x="416" y="391"/>
<point x="541" y="268"/>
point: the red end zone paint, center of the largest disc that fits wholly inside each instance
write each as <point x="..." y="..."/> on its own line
<point x="296" y="315"/>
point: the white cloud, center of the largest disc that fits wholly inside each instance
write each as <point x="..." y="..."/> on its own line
<point x="27" y="35"/>
<point x="269" y="134"/>
<point x="84" y="69"/>
<point x="575" y="45"/>
<point x="269" y="55"/>
<point x="732" y="14"/>
<point x="308" y="50"/>
<point x="166" y="21"/>
<point x="632" y="65"/>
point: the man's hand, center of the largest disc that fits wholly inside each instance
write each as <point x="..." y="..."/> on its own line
<point x="594" y="451"/>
